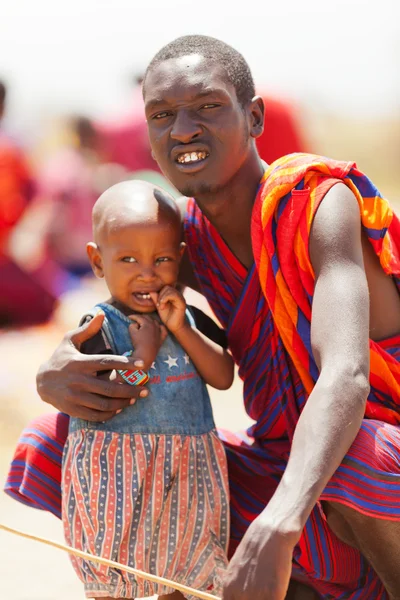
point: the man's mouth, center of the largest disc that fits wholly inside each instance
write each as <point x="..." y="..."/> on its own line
<point x="191" y="157"/>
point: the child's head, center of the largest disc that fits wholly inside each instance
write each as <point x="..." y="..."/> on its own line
<point x="137" y="242"/>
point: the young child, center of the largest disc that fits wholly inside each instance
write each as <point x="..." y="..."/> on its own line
<point x="149" y="487"/>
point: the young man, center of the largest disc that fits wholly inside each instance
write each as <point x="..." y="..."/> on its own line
<point x="291" y="269"/>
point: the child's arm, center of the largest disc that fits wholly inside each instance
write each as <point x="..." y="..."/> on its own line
<point x="214" y="363"/>
<point x="147" y="336"/>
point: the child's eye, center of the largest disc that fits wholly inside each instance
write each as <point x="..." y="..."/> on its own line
<point x="162" y="259"/>
<point x="128" y="259"/>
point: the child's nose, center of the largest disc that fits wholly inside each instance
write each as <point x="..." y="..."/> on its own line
<point x="147" y="274"/>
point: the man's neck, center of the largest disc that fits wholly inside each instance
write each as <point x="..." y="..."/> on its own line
<point x="230" y="210"/>
<point x="236" y="198"/>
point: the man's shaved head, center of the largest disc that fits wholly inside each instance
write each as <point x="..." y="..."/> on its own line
<point x="133" y="203"/>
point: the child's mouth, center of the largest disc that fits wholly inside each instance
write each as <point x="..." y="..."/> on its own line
<point x="143" y="298"/>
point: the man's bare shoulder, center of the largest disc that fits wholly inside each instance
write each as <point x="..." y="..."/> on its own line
<point x="336" y="228"/>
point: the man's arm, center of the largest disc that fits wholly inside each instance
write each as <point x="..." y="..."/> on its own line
<point x="334" y="411"/>
<point x="340" y="342"/>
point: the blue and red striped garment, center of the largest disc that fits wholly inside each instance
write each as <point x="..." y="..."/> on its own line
<point x="274" y="393"/>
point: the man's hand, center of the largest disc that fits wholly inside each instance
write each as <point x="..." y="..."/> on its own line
<point x="147" y="336"/>
<point x="68" y="379"/>
<point x="261" y="567"/>
<point x="171" y="306"/>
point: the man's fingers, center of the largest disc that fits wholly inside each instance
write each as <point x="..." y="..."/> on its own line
<point x="86" y="331"/>
<point x="101" y="403"/>
<point x="96" y="416"/>
<point x="111" y="391"/>
<point x="227" y="594"/>
<point x="103" y="362"/>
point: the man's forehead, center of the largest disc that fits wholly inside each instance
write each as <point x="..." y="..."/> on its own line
<point x="193" y="74"/>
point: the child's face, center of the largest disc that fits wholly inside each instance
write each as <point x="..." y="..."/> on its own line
<point x="136" y="260"/>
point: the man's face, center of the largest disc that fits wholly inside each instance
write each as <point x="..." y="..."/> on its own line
<point x="199" y="133"/>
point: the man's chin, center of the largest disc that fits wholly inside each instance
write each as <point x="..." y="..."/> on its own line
<point x="198" y="189"/>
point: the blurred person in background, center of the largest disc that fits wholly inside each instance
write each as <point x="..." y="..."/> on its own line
<point x="69" y="183"/>
<point x="23" y="301"/>
<point x="125" y="139"/>
<point x="16" y="180"/>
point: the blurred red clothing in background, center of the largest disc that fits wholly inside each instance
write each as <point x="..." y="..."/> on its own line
<point x="282" y="131"/>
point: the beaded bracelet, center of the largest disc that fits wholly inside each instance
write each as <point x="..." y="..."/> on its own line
<point x="137" y="377"/>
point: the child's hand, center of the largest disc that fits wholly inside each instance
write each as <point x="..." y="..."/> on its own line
<point x="147" y="336"/>
<point x="171" y="306"/>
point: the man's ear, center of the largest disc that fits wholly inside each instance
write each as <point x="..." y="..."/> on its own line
<point x="256" y="111"/>
<point x="94" y="255"/>
<point x="182" y="249"/>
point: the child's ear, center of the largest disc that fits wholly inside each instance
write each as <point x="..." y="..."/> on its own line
<point x="94" y="255"/>
<point x="182" y="249"/>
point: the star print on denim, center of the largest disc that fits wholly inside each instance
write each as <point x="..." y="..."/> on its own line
<point x="171" y="362"/>
<point x="178" y="400"/>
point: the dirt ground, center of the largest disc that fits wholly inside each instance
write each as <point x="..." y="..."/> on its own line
<point x="28" y="570"/>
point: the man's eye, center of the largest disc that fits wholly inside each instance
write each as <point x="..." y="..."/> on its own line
<point x="128" y="259"/>
<point x="161" y="115"/>
<point x="207" y="106"/>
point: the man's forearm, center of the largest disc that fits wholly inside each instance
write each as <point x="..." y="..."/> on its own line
<point x="326" y="429"/>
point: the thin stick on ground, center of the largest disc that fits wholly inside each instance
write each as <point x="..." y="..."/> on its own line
<point x="110" y="563"/>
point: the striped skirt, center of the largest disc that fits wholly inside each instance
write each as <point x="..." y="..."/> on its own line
<point x="158" y="503"/>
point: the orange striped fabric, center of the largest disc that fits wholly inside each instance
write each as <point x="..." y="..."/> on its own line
<point x="291" y="191"/>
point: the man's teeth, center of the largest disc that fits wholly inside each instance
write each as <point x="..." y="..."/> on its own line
<point x="190" y="157"/>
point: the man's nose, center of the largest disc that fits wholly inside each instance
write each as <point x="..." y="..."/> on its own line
<point x="185" y="128"/>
